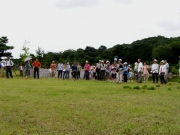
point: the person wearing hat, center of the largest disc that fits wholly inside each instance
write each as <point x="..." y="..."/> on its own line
<point x="53" y="69"/>
<point x="162" y="72"/>
<point x="87" y="69"/>
<point x="125" y="72"/>
<point x="8" y="64"/>
<point x="129" y="73"/>
<point x="154" y="71"/>
<point x="36" y="65"/>
<point x="119" y="71"/>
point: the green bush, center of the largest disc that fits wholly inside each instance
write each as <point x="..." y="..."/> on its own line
<point x="151" y="88"/>
<point x="169" y="88"/>
<point x="158" y="85"/>
<point x="174" y="71"/>
<point x="127" y="87"/>
<point x="144" y="87"/>
<point x="136" y="87"/>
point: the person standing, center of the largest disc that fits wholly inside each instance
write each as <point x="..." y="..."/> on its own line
<point x="140" y="68"/>
<point x="36" y="65"/>
<point x="21" y="69"/>
<point x="145" y="72"/>
<point x="27" y="71"/>
<point x="125" y="72"/>
<point x="162" y="72"/>
<point x="2" y="64"/>
<point x="119" y="70"/>
<point x="53" y="68"/>
<point x="78" y="70"/>
<point x="9" y="63"/>
<point x="167" y="70"/>
<point x="108" y="70"/>
<point x="98" y="71"/>
<point x="154" y="71"/>
<point x="60" y="69"/>
<point x="87" y="69"/>
<point x="129" y="73"/>
<point x="103" y="70"/>
<point x="64" y="70"/>
<point x="74" y="70"/>
<point x="68" y="70"/>
<point x="136" y="71"/>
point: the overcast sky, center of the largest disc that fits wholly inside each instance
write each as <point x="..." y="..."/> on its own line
<point x="58" y="25"/>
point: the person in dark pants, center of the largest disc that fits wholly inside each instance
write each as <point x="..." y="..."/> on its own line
<point x="36" y="65"/>
<point x="9" y="65"/>
<point x="162" y="72"/>
<point x="60" y="69"/>
<point x="102" y="71"/>
<point x="154" y="71"/>
<point x="125" y="72"/>
<point x="87" y="69"/>
<point x="78" y="70"/>
<point x="98" y="70"/>
<point x="74" y="70"/>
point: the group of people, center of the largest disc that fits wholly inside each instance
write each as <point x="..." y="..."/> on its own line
<point x="116" y="72"/>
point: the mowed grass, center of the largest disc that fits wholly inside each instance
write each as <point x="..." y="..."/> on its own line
<point x="51" y="106"/>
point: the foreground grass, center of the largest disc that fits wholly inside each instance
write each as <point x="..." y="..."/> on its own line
<point x="48" y="106"/>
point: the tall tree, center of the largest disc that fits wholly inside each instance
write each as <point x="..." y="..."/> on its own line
<point x="4" y="47"/>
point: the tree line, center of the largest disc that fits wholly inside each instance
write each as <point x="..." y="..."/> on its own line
<point x="147" y="49"/>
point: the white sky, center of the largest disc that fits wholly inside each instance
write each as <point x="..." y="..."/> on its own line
<point x="58" y="25"/>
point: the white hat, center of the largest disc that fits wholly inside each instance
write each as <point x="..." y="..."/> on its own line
<point x="53" y="61"/>
<point x="102" y="60"/>
<point x="125" y="62"/>
<point x="163" y="61"/>
<point x="107" y="61"/>
<point x="155" y="60"/>
<point x="86" y="61"/>
<point x="99" y="60"/>
<point x="129" y="65"/>
<point x="67" y="62"/>
<point x="120" y="59"/>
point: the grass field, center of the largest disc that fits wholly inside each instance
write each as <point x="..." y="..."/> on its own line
<point x="52" y="107"/>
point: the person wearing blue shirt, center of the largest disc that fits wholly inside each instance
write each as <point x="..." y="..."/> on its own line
<point x="125" y="72"/>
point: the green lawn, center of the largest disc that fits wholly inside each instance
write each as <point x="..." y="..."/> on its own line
<point x="51" y="106"/>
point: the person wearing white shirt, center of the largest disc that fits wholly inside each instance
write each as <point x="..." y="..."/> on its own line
<point x="167" y="70"/>
<point x="60" y="69"/>
<point x="162" y="72"/>
<point x="154" y="71"/>
<point x="8" y="65"/>
<point x="2" y="68"/>
<point x="140" y="69"/>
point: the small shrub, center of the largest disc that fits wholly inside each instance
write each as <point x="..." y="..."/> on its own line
<point x="144" y="87"/>
<point x="169" y="84"/>
<point x="151" y="88"/>
<point x="136" y="87"/>
<point x="127" y="87"/>
<point x="158" y="85"/>
<point x="169" y="88"/>
<point x="177" y="87"/>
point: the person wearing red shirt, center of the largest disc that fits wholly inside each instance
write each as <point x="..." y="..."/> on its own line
<point x="87" y="69"/>
<point x="36" y="65"/>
